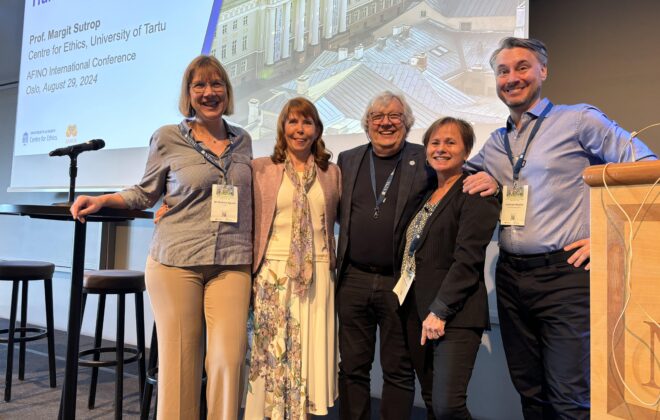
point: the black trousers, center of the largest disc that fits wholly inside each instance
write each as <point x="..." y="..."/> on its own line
<point x="444" y="366"/>
<point x="544" y="320"/>
<point x="365" y="302"/>
<point x="421" y="356"/>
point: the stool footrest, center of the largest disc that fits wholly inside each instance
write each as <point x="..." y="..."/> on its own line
<point x="152" y="376"/>
<point x="40" y="333"/>
<point x="105" y="363"/>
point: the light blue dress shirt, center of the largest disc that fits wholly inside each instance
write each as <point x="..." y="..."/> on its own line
<point x="571" y="138"/>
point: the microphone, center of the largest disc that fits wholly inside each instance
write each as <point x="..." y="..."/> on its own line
<point x="78" y="148"/>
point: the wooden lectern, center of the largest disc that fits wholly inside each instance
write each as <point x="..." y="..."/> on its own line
<point x="628" y="337"/>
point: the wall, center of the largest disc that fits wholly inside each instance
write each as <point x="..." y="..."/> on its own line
<point x="606" y="53"/>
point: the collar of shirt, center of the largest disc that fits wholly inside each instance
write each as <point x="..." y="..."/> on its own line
<point x="534" y="113"/>
<point x="232" y="131"/>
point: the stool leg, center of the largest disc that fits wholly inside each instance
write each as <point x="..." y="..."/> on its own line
<point x="156" y="406"/>
<point x="203" y="409"/>
<point x="98" y="338"/>
<point x="119" y="384"/>
<point x="21" y="344"/>
<point x="48" y="292"/>
<point x="83" y="304"/>
<point x="148" y="388"/>
<point x="139" y="319"/>
<point x="10" y="340"/>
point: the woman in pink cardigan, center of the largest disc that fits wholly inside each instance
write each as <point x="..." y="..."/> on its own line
<point x="293" y="366"/>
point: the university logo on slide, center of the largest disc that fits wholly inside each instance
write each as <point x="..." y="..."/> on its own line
<point x="25" y="138"/>
<point x="71" y="133"/>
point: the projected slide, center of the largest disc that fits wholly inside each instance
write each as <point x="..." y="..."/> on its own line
<point x="103" y="69"/>
<point x="340" y="53"/>
<point x="112" y="70"/>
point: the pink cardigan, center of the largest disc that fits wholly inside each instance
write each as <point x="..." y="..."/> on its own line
<point x="266" y="180"/>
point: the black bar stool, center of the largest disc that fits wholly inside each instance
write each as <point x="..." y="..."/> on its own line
<point x="23" y="272"/>
<point x="120" y="283"/>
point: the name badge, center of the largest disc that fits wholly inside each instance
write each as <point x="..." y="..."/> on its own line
<point x="403" y="285"/>
<point x="224" y="204"/>
<point x="514" y="205"/>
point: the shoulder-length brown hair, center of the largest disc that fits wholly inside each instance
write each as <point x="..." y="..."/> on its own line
<point x="205" y="65"/>
<point x="464" y="127"/>
<point x="307" y="109"/>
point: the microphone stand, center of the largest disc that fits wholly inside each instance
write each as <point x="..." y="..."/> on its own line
<point x="72" y="152"/>
<point x="73" y="173"/>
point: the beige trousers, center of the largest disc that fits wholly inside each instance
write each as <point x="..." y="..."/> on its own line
<point x="181" y="298"/>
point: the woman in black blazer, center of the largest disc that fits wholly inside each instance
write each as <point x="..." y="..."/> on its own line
<point x="443" y="264"/>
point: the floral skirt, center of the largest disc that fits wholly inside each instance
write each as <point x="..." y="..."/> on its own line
<point x="293" y="363"/>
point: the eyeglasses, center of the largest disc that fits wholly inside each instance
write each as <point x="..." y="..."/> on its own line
<point x="379" y="117"/>
<point x="217" y="86"/>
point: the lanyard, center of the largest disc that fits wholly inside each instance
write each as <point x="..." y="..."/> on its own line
<point x="210" y="158"/>
<point x="521" y="158"/>
<point x="380" y="199"/>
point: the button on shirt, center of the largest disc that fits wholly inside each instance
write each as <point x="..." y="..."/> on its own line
<point x="185" y="236"/>
<point x="571" y="138"/>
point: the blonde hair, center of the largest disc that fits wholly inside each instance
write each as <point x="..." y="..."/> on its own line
<point x="208" y="66"/>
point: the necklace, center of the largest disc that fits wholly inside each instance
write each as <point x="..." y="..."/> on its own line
<point x="206" y="136"/>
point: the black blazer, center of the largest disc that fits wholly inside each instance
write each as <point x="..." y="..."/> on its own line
<point x="415" y="178"/>
<point x="449" y="260"/>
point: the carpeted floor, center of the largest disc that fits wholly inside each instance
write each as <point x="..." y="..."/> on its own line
<point x="33" y="398"/>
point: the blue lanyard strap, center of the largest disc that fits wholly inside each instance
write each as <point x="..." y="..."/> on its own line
<point x="521" y="158"/>
<point x="380" y="198"/>
<point x="210" y="158"/>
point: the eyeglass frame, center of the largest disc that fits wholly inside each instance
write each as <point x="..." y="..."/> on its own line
<point x="200" y="87"/>
<point x="393" y="117"/>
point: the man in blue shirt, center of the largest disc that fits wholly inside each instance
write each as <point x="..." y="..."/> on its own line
<point x="542" y="278"/>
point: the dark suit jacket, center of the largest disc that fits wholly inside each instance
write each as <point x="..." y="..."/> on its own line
<point x="414" y="181"/>
<point x="449" y="260"/>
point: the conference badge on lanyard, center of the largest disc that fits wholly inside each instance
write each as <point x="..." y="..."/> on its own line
<point x="402" y="286"/>
<point x="224" y="203"/>
<point x="514" y="205"/>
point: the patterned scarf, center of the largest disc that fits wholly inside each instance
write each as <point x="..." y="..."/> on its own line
<point x="299" y="265"/>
